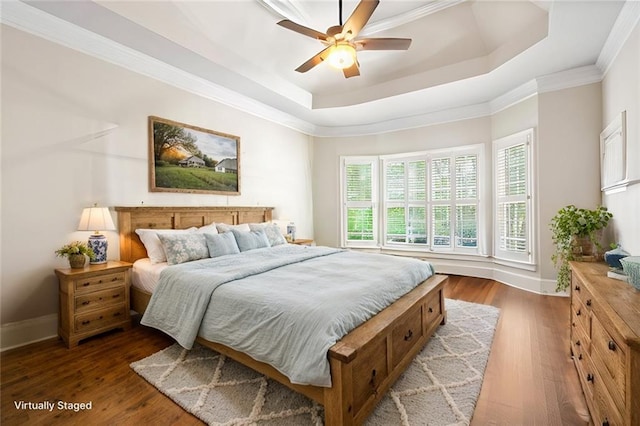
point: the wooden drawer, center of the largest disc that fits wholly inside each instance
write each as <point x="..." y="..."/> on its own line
<point x="433" y="312"/>
<point x="406" y="334"/>
<point x="99" y="319"/>
<point x="579" y="343"/>
<point x="369" y="371"/>
<point x="609" y="358"/>
<point x="99" y="282"/>
<point x="605" y="410"/>
<point x="99" y="299"/>
<point x="581" y="292"/>
<point x="580" y="319"/>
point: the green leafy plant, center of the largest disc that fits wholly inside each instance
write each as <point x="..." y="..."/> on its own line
<point x="568" y="224"/>
<point x="75" y="247"/>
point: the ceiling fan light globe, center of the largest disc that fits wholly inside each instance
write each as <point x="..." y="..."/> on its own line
<point x="342" y="56"/>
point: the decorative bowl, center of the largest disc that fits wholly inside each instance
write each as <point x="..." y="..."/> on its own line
<point x="631" y="266"/>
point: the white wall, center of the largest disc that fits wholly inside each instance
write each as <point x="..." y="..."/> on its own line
<point x="566" y="167"/>
<point x="74" y="132"/>
<point x="620" y="92"/>
<point x="568" y="157"/>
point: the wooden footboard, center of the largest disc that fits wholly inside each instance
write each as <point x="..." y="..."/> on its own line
<point x="367" y="361"/>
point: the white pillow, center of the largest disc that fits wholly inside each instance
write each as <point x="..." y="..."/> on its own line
<point x="223" y="227"/>
<point x="208" y="229"/>
<point x="149" y="238"/>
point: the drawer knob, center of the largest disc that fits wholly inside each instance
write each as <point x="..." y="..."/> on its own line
<point x="114" y="279"/>
<point x="408" y="336"/>
<point x="578" y="313"/>
<point x="85" y="322"/>
<point x="612" y="345"/>
<point x="430" y="310"/>
<point x="589" y="302"/>
<point x="580" y="357"/>
<point x="577" y="288"/>
<point x="117" y="314"/>
<point x="590" y="377"/>
<point x="85" y="303"/>
<point x="605" y="423"/>
<point x="85" y="284"/>
<point x="577" y="342"/>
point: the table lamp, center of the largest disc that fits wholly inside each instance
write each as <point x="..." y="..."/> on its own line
<point x="97" y="219"/>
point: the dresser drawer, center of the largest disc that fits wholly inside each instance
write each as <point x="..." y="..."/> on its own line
<point x="99" y="319"/>
<point x="99" y="299"/>
<point x="609" y="356"/>
<point x="99" y="282"/>
<point x="406" y="334"/>
<point x="580" y="292"/>
<point x="580" y="318"/>
<point x="606" y="411"/>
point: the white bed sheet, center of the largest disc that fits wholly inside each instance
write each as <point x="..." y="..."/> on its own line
<point x="145" y="275"/>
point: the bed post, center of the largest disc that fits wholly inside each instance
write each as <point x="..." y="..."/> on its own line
<point x="338" y="401"/>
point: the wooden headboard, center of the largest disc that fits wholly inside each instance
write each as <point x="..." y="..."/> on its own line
<point x="132" y="218"/>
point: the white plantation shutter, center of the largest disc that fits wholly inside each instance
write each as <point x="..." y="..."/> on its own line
<point x="359" y="187"/>
<point x="512" y="209"/>
<point x="428" y="199"/>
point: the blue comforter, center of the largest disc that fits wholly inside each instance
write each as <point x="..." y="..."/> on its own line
<point x="284" y="305"/>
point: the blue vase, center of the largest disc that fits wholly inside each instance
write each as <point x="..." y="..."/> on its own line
<point x="612" y="257"/>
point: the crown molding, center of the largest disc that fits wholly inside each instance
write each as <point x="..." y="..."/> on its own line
<point x="34" y="21"/>
<point x="625" y="23"/>
<point x="570" y="78"/>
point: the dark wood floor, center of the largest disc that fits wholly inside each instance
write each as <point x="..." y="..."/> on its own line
<point x="530" y="379"/>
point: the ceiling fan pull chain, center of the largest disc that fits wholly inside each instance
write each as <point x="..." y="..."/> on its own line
<point x="340" y="11"/>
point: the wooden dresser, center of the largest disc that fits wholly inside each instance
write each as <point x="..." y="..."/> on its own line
<point x="605" y="343"/>
<point x="93" y="299"/>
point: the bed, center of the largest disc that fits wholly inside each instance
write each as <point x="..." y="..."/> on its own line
<point x="363" y="364"/>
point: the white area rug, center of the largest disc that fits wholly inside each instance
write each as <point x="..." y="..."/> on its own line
<point x="440" y="387"/>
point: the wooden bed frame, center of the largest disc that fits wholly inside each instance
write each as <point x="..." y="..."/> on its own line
<point x="364" y="364"/>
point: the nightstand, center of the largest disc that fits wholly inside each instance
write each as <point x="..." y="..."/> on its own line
<point x="302" y="242"/>
<point x="93" y="300"/>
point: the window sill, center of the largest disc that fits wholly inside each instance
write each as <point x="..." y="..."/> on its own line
<point x="427" y="254"/>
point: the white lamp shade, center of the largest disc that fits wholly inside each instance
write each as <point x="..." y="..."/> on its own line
<point x="96" y="219"/>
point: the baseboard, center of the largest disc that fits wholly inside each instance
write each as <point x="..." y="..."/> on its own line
<point x="20" y="333"/>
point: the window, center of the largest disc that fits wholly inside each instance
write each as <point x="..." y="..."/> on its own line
<point x="359" y="194"/>
<point x="512" y="208"/>
<point x="429" y="200"/>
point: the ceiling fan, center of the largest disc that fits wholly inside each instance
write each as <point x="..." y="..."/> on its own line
<point x="341" y="40"/>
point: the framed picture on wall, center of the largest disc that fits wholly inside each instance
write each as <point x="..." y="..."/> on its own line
<point x="186" y="158"/>
<point x="613" y="147"/>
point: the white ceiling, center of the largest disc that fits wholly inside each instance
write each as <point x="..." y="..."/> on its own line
<point x="466" y="55"/>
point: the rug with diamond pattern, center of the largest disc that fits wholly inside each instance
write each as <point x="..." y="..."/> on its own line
<point x="440" y="387"/>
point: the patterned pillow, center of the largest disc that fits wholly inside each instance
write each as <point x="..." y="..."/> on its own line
<point x="181" y="248"/>
<point x="274" y="235"/>
<point x="250" y="240"/>
<point x="151" y="242"/>
<point x="221" y="244"/>
<point x="223" y="227"/>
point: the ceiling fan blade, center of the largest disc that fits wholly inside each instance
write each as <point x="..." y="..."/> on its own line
<point x="383" y="43"/>
<point x="290" y="25"/>
<point x="359" y="18"/>
<point x="318" y="58"/>
<point x="352" y="71"/>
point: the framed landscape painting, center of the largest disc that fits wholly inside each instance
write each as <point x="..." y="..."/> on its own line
<point x="185" y="158"/>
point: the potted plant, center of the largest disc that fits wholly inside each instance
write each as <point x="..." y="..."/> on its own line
<point x="575" y="234"/>
<point x="76" y="252"/>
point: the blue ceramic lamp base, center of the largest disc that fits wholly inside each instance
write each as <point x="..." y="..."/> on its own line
<point x="98" y="244"/>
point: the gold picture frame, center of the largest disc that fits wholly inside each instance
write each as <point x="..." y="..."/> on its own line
<point x="186" y="158"/>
